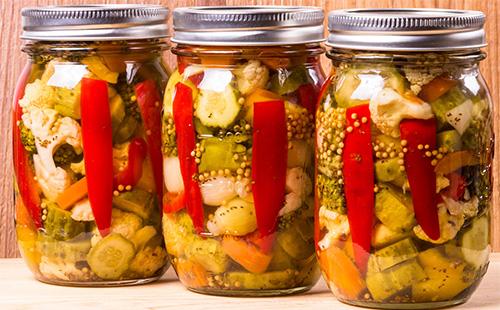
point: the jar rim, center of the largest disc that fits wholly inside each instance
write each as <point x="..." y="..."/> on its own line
<point x="94" y="22"/>
<point x="411" y="30"/>
<point x="407" y="58"/>
<point x="248" y="25"/>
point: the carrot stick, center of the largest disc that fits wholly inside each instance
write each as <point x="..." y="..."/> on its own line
<point x="436" y="88"/>
<point x="456" y="160"/>
<point x="246" y="254"/>
<point x="73" y="194"/>
<point x="342" y="272"/>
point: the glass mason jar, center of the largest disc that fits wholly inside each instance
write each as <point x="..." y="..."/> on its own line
<point x="404" y="153"/>
<point x="238" y="149"/>
<point x="87" y="144"/>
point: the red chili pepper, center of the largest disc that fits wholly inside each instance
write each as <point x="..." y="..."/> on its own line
<point x="137" y="151"/>
<point x="186" y="143"/>
<point x="97" y="138"/>
<point x="456" y="189"/>
<point x="308" y="94"/>
<point x="269" y="158"/>
<point x="420" y="171"/>
<point x="358" y="174"/>
<point x="149" y="100"/>
<point x="173" y="202"/>
<point x="28" y="187"/>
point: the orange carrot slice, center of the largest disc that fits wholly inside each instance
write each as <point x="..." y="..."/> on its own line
<point x="246" y="254"/>
<point x="191" y="274"/>
<point x="436" y="88"/>
<point x="73" y="194"/>
<point x="342" y="272"/>
<point x="456" y="160"/>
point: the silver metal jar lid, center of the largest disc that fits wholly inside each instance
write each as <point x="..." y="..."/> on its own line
<point x="406" y="29"/>
<point x="94" y="22"/>
<point x="248" y="26"/>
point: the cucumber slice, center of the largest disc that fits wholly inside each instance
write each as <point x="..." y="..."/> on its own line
<point x="111" y="256"/>
<point x="125" y="130"/>
<point x="450" y="139"/>
<point x="393" y="210"/>
<point x="285" y="82"/>
<point x="262" y="281"/>
<point x="217" y="109"/>
<point x="143" y="236"/>
<point x="474" y="243"/>
<point x="292" y="243"/>
<point x="388" y="170"/>
<point x="208" y="253"/>
<point x="218" y="154"/>
<point x="72" y="251"/>
<point x="392" y="255"/>
<point x="137" y="201"/>
<point x="59" y="225"/>
<point x="117" y="110"/>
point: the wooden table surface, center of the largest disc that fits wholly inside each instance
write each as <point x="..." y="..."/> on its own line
<point x="12" y="60"/>
<point x="18" y="290"/>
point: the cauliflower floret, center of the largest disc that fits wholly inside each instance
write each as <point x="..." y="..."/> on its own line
<point x="467" y="209"/>
<point x="242" y="188"/>
<point x="298" y="182"/>
<point x="62" y="271"/>
<point x="298" y="187"/>
<point x="388" y="108"/>
<point x="125" y="223"/>
<point x="148" y="261"/>
<point x="420" y="76"/>
<point x="251" y="76"/>
<point x="82" y="211"/>
<point x="449" y="225"/>
<point x="292" y="203"/>
<point x="38" y="94"/>
<point x="337" y="225"/>
<point x="50" y="132"/>
<point x="78" y="167"/>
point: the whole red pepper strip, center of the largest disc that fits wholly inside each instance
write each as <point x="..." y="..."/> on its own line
<point x="28" y="187"/>
<point x="186" y="143"/>
<point x="269" y="158"/>
<point x="137" y="151"/>
<point x="149" y="100"/>
<point x="358" y="174"/>
<point x="420" y="171"/>
<point x="97" y="138"/>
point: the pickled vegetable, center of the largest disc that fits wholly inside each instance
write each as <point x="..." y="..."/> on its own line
<point x="251" y="227"/>
<point x="431" y="141"/>
<point x="97" y="204"/>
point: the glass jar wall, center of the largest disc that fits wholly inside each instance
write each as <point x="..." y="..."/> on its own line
<point x="238" y="148"/>
<point x="87" y="151"/>
<point x="404" y="151"/>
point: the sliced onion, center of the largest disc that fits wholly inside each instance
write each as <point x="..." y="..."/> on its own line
<point x="218" y="190"/>
<point x="172" y="175"/>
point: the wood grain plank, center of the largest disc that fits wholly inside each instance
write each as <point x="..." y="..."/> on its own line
<point x="12" y="60"/>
